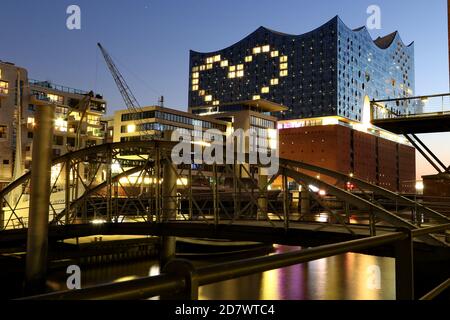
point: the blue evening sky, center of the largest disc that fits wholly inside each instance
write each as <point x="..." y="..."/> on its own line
<point x="150" y="40"/>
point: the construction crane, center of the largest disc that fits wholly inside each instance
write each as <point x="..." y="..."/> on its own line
<point x="128" y="96"/>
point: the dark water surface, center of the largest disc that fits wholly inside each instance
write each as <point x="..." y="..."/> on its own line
<point x="347" y="276"/>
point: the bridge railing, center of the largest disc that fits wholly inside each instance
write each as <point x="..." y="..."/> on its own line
<point x="181" y="280"/>
<point x="411" y="106"/>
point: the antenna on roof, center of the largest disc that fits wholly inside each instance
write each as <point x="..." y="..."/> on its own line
<point x="161" y="101"/>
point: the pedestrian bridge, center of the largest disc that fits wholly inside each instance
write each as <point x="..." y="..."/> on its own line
<point x="131" y="187"/>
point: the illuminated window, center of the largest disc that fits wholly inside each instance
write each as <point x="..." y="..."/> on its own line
<point x="283" y="73"/>
<point x="131" y="128"/>
<point x="55" y="98"/>
<point x="217" y="58"/>
<point x="4" y="87"/>
<point x="240" y="74"/>
<point x="3" y="131"/>
<point x="256" y="97"/>
<point x="216" y="103"/>
<point x="30" y="121"/>
<point x="194" y="87"/>
<point x="266" y="48"/>
<point x="61" y="124"/>
<point x="256" y="50"/>
<point x="248" y="58"/>
<point x="209" y="66"/>
<point x="209" y="60"/>
<point x="231" y="75"/>
<point x="195" y="75"/>
<point x="274" y="54"/>
<point x="195" y="81"/>
<point x="202" y="67"/>
<point x="283" y="66"/>
<point x="208" y="98"/>
<point x="224" y="63"/>
<point x="195" y="69"/>
<point x="265" y="90"/>
<point x="232" y="68"/>
<point x="240" y="66"/>
<point x="283" y="59"/>
<point x="201" y="93"/>
<point x="274" y="82"/>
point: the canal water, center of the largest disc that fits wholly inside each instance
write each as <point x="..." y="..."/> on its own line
<point x="349" y="276"/>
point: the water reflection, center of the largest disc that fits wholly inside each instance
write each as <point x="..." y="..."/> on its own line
<point x="341" y="277"/>
<point x="346" y="276"/>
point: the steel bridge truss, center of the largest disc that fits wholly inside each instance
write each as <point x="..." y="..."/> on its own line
<point x="129" y="181"/>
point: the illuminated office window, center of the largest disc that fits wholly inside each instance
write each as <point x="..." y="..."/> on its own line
<point x="202" y="67"/>
<point x="265" y="90"/>
<point x="283" y="59"/>
<point x="216" y="103"/>
<point x="240" y="74"/>
<point x="224" y="63"/>
<point x="266" y="48"/>
<point x="232" y="68"/>
<point x="231" y="75"/>
<point x="209" y="66"/>
<point x="195" y="75"/>
<point x="209" y="60"/>
<point x="217" y="58"/>
<point x="208" y="98"/>
<point x="256" y="97"/>
<point x="201" y="93"/>
<point x="194" y="69"/>
<point x="256" y="50"/>
<point x="248" y="58"/>
<point x="194" y="87"/>
<point x="274" y="81"/>
<point x="274" y="54"/>
<point x="283" y="73"/>
<point x="195" y="81"/>
<point x="240" y="66"/>
<point x="283" y="66"/>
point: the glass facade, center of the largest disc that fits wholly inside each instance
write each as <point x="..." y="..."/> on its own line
<point x="328" y="71"/>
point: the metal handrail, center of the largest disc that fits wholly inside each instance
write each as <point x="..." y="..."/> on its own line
<point x="157" y="285"/>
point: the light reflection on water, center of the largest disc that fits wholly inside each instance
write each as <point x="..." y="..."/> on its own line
<point x="340" y="277"/>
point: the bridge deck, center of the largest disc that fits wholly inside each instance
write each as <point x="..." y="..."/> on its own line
<point x="424" y="123"/>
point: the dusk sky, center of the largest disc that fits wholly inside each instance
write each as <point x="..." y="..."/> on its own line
<point x="150" y="41"/>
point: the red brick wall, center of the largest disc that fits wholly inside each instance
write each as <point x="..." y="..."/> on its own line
<point x="331" y="146"/>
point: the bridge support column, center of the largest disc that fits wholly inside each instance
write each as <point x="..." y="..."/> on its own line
<point x="286" y="204"/>
<point x="2" y="216"/>
<point x="305" y="201"/>
<point x="262" y="199"/>
<point x="404" y="268"/>
<point x="37" y="241"/>
<point x="169" y="206"/>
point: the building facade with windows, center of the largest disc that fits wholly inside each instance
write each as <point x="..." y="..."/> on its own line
<point x="326" y="72"/>
<point x="68" y="117"/>
<point x="350" y="147"/>
<point x="150" y="122"/>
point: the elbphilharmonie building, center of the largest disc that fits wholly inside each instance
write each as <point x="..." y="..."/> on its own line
<point x="330" y="71"/>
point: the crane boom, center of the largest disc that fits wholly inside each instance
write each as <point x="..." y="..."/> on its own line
<point x="127" y="95"/>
